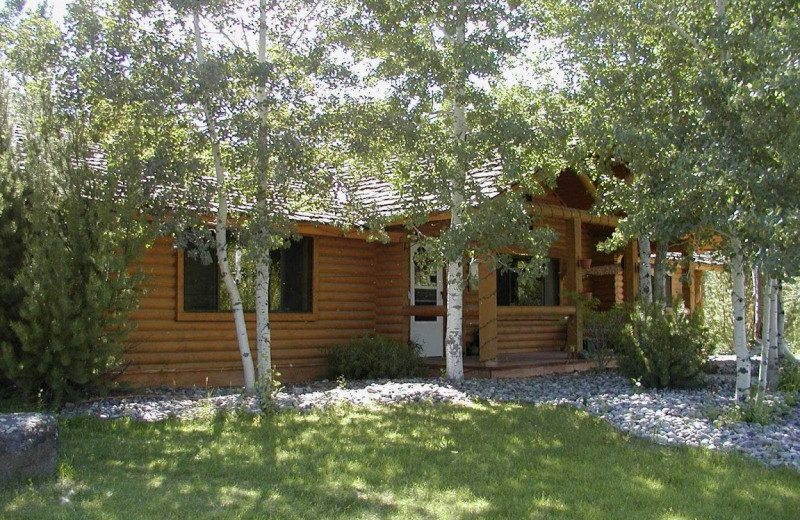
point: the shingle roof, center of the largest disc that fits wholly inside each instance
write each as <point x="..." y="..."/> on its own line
<point x="350" y="201"/>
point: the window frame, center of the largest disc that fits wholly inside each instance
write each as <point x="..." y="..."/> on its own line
<point x="250" y="316"/>
<point x="550" y="272"/>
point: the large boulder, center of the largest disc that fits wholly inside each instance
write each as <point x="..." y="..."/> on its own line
<point x="28" y="445"/>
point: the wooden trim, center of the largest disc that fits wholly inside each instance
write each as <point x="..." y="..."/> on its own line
<point x="545" y="210"/>
<point x="515" y="311"/>
<point x="250" y="316"/>
<point x="563" y="212"/>
<point x="327" y="230"/>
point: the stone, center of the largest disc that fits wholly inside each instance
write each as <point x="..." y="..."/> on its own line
<point x="28" y="445"/>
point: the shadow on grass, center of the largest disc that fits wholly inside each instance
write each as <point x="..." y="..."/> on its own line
<point x="508" y="461"/>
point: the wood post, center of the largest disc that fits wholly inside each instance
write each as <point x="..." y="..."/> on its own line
<point x="690" y="288"/>
<point x="487" y="312"/>
<point x="631" y="261"/>
<point x="698" y="289"/>
<point x="574" y="281"/>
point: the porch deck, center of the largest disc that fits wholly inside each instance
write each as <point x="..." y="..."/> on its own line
<point x="517" y="365"/>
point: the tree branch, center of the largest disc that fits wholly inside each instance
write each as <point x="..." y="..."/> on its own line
<point x="680" y="30"/>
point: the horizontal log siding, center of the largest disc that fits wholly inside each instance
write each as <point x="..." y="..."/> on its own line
<point x="521" y="334"/>
<point x="391" y="296"/>
<point x="164" y="350"/>
<point x="604" y="289"/>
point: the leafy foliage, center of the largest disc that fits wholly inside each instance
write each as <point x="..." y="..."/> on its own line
<point x="791" y="306"/>
<point x="75" y="279"/>
<point x="603" y="332"/>
<point x="663" y="349"/>
<point x="374" y="358"/>
<point x="789" y="377"/>
<point x="72" y="217"/>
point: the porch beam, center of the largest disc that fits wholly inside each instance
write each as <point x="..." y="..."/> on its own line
<point x="562" y="212"/>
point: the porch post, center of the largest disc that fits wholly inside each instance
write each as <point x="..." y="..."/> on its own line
<point x="631" y="261"/>
<point x="487" y="312"/>
<point x="574" y="281"/>
<point x="698" y="289"/>
<point x="689" y="288"/>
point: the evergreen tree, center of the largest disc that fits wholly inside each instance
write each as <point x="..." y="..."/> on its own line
<point x="75" y="213"/>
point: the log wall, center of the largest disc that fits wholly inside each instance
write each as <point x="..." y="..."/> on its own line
<point x="519" y="332"/>
<point x="392" y="263"/>
<point x="171" y="347"/>
<point x="360" y="288"/>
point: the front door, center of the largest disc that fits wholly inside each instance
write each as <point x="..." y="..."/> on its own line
<point x="426" y="290"/>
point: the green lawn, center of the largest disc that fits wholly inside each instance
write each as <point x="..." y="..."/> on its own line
<point x="489" y="461"/>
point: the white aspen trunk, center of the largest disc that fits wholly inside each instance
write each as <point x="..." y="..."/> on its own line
<point x="758" y="298"/>
<point x="783" y="348"/>
<point x="772" y="367"/>
<point x="221" y="230"/>
<point x="453" y="334"/>
<point x="660" y="274"/>
<point x="645" y="279"/>
<point x="739" y="309"/>
<point x="455" y="293"/>
<point x="763" y="368"/>
<point x="263" y="330"/>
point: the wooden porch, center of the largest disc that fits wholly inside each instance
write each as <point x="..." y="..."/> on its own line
<point x="517" y="365"/>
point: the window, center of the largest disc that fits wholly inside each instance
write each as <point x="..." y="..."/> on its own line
<point x="515" y="289"/>
<point x="289" y="281"/>
<point x="426" y="284"/>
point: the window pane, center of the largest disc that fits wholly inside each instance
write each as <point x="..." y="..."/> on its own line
<point x="513" y="289"/>
<point x="529" y="292"/>
<point x="424" y="296"/>
<point x="504" y="287"/>
<point x="424" y="275"/>
<point x="289" y="288"/>
<point x="290" y="280"/>
<point x="199" y="284"/>
<point x="243" y="269"/>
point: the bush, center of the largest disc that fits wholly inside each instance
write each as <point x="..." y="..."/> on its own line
<point x="68" y="291"/>
<point x="374" y="358"/>
<point x="663" y="349"/>
<point x="603" y="330"/>
<point x="788" y="377"/>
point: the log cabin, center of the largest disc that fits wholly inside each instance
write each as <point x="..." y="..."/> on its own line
<point x="335" y="285"/>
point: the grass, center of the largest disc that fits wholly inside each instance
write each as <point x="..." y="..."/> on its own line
<point x="420" y="461"/>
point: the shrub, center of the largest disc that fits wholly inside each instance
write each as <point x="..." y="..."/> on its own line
<point x="69" y="293"/>
<point x="603" y="330"/>
<point x="374" y="358"/>
<point x="788" y="377"/>
<point x="663" y="349"/>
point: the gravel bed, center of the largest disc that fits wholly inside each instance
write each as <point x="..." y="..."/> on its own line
<point x="672" y="417"/>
